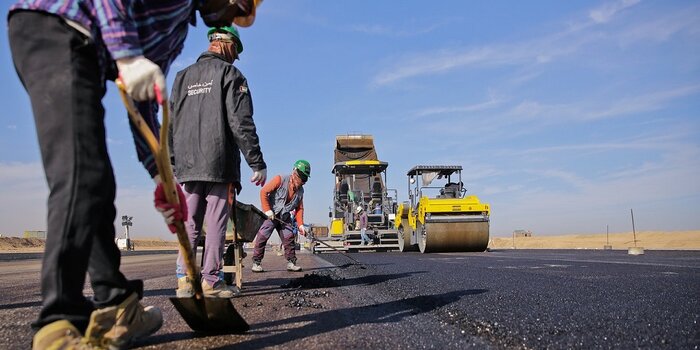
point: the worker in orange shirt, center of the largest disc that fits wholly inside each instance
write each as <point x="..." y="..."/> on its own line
<point x="279" y="198"/>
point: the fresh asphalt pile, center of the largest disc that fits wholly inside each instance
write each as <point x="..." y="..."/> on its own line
<point x="313" y="280"/>
<point x="301" y="298"/>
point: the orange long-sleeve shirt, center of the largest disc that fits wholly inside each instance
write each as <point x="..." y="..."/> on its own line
<point x="273" y="185"/>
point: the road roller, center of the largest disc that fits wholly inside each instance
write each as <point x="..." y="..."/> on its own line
<point x="439" y="215"/>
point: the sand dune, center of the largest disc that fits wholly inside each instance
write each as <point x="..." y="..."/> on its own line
<point x="653" y="240"/>
<point x="36" y="245"/>
<point x="650" y="240"/>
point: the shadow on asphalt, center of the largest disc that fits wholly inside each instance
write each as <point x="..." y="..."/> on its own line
<point x="279" y="283"/>
<point x="20" y="305"/>
<point x="328" y="321"/>
<point x="376" y="279"/>
<point x="164" y="292"/>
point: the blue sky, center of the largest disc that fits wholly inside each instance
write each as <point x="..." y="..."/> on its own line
<point x="564" y="114"/>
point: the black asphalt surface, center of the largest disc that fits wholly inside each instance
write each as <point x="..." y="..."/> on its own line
<point x="537" y="299"/>
<point x="541" y="299"/>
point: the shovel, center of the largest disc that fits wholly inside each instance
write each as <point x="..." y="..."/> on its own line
<point x="209" y="315"/>
<point x="313" y="239"/>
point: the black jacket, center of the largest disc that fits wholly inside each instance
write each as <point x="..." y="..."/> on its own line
<point x="212" y="119"/>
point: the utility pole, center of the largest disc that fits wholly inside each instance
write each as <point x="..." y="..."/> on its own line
<point x="634" y="250"/>
<point x="607" y="239"/>
<point x="634" y="233"/>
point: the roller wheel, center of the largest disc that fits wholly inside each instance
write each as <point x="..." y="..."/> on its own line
<point x="453" y="237"/>
<point x="405" y="237"/>
<point x="422" y="237"/>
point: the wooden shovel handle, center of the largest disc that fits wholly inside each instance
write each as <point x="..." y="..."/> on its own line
<point x="161" y="155"/>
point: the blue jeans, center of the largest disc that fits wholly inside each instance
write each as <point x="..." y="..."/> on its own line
<point x="363" y="235"/>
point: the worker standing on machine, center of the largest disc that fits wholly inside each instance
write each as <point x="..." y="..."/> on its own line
<point x="212" y="124"/>
<point x="362" y="218"/>
<point x="278" y="199"/>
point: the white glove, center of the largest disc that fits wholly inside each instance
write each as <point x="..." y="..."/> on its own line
<point x="302" y="230"/>
<point x="259" y="177"/>
<point x="270" y="214"/>
<point x="139" y="76"/>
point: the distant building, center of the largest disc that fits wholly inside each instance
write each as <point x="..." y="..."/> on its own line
<point x="35" y="234"/>
<point x="522" y="233"/>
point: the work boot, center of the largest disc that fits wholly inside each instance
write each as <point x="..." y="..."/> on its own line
<point x="184" y="288"/>
<point x="60" y="335"/>
<point x="219" y="290"/>
<point x="131" y="321"/>
<point x="256" y="267"/>
<point x="293" y="267"/>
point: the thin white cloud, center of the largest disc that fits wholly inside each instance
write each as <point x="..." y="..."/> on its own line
<point x="12" y="127"/>
<point x="607" y="11"/>
<point x="411" y="31"/>
<point x="643" y="103"/>
<point x="565" y="176"/>
<point x="662" y="27"/>
<point x="666" y="142"/>
<point x="536" y="51"/>
<point x="491" y="103"/>
<point x="582" y="111"/>
<point x="541" y="50"/>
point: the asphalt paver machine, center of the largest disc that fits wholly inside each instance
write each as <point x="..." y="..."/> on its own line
<point x="360" y="181"/>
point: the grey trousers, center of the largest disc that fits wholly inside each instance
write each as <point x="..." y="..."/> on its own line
<point x="207" y="204"/>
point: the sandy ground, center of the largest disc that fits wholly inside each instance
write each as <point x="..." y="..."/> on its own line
<point x="654" y="240"/>
<point x="36" y="245"/>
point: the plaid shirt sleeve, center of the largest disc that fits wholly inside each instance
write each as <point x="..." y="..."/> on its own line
<point x="115" y="18"/>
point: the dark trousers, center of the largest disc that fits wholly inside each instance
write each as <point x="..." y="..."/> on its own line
<point x="286" y="235"/>
<point x="59" y="69"/>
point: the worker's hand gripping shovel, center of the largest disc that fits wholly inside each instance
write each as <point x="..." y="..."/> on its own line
<point x="211" y="315"/>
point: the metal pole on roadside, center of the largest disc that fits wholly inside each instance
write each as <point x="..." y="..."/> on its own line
<point x="634" y="233"/>
<point x="607" y="234"/>
<point x="634" y="250"/>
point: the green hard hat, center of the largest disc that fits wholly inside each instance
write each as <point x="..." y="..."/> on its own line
<point x="228" y="29"/>
<point x="303" y="167"/>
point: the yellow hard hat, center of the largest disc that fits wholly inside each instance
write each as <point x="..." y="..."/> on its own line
<point x="250" y="19"/>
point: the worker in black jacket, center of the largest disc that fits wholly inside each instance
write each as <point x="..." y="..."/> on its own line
<point x="212" y="124"/>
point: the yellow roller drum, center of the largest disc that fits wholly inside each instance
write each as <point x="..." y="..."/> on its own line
<point x="453" y="236"/>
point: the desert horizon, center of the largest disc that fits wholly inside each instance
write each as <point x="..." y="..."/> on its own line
<point x="650" y="240"/>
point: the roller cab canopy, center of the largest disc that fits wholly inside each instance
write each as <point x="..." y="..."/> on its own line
<point x="441" y="170"/>
<point x="365" y="167"/>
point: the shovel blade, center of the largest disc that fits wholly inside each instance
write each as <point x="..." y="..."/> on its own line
<point x="210" y="315"/>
